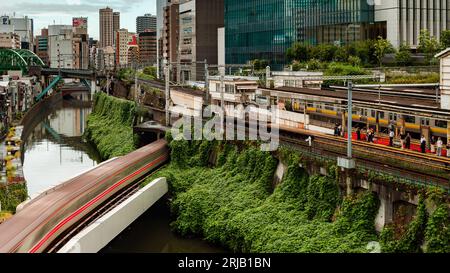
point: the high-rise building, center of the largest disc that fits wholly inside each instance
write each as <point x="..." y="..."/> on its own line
<point x="106" y="27"/>
<point x="264" y="29"/>
<point x="146" y="22"/>
<point x="170" y="35"/>
<point x="81" y="40"/>
<point x="160" y="4"/>
<point x="199" y="23"/>
<point x="116" y="21"/>
<point x="147" y="47"/>
<point x="401" y="21"/>
<point x="42" y="46"/>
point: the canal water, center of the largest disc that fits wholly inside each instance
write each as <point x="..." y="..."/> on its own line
<point x="54" y="152"/>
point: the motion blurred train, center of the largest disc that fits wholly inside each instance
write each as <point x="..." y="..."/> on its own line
<point x="45" y="219"/>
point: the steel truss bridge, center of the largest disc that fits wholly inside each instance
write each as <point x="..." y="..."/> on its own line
<point x="18" y="59"/>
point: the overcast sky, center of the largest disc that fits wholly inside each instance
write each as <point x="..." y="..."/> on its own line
<point x="44" y="12"/>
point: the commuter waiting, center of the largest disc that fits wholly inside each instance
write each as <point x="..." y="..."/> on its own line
<point x="423" y="144"/>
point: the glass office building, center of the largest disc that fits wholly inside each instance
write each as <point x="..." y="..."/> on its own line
<point x="264" y="29"/>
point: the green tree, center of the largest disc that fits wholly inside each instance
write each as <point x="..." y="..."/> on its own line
<point x="403" y="56"/>
<point x="445" y="39"/>
<point x="150" y="70"/>
<point x="299" y="52"/>
<point x="428" y="45"/>
<point x="382" y="47"/>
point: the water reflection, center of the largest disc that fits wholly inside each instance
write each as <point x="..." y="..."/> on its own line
<point x="54" y="150"/>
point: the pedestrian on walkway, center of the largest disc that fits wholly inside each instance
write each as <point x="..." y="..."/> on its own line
<point x="408" y="141"/>
<point x="391" y="138"/>
<point x="423" y="144"/>
<point x="340" y="130"/>
<point x="439" y="145"/>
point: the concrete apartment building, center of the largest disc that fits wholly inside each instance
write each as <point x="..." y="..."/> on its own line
<point x="10" y="40"/>
<point x="199" y="23"/>
<point x="68" y="47"/>
<point x="147" y="47"/>
<point x="122" y="39"/>
<point x="61" y="48"/>
<point x="23" y="27"/>
<point x="106" y="27"/>
<point x="145" y="23"/>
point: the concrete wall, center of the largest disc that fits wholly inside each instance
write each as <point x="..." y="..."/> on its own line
<point x="96" y="236"/>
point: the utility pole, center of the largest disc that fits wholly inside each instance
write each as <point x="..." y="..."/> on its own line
<point x="167" y="93"/>
<point x="222" y="90"/>
<point x="350" y="120"/>
<point x="206" y="80"/>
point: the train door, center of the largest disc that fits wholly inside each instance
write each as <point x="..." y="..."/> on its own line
<point x="426" y="132"/>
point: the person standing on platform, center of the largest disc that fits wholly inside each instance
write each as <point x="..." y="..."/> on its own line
<point x="402" y="139"/>
<point x="391" y="138"/>
<point x="433" y="144"/>
<point x="358" y="133"/>
<point x="448" y="149"/>
<point x="439" y="146"/>
<point x="408" y="141"/>
<point x="423" y="144"/>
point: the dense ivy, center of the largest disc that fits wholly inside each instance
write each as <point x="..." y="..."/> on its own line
<point x="12" y="195"/>
<point x="109" y="126"/>
<point x="437" y="233"/>
<point x="234" y="205"/>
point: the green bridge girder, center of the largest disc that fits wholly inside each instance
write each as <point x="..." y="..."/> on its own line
<point x="18" y="59"/>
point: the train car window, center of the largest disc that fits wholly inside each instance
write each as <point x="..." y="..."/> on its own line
<point x="392" y="116"/>
<point x="329" y="107"/>
<point x="373" y="113"/>
<point x="381" y="114"/>
<point x="441" y="123"/>
<point x="410" y="119"/>
<point x="425" y="121"/>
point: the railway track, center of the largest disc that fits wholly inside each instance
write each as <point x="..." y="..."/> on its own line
<point x="370" y="163"/>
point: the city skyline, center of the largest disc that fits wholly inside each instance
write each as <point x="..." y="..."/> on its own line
<point x="46" y="13"/>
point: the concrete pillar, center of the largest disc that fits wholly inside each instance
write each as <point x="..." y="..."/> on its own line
<point x="93" y="87"/>
<point x="267" y="77"/>
<point x="386" y="211"/>
<point x="349" y="184"/>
